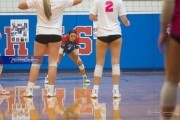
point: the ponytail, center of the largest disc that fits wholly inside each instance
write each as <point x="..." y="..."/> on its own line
<point x="47" y="8"/>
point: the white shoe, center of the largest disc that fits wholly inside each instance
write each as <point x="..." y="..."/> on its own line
<point x="86" y="81"/>
<point x="51" y="93"/>
<point x="116" y="94"/>
<point x="52" y="101"/>
<point x="85" y="85"/>
<point x="116" y="101"/>
<point x="94" y="102"/>
<point x="28" y="100"/>
<point x="46" y="80"/>
<point x="3" y="91"/>
<point x="94" y="93"/>
<point x="28" y="93"/>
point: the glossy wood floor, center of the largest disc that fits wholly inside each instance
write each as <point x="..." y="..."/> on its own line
<point x="140" y="98"/>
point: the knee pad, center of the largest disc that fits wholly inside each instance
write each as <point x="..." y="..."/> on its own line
<point x="169" y="94"/>
<point x="53" y="63"/>
<point x="81" y="67"/>
<point x="115" y="69"/>
<point x="98" y="70"/>
<point x="36" y="65"/>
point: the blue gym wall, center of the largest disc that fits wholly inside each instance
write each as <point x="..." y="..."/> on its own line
<point x="139" y="47"/>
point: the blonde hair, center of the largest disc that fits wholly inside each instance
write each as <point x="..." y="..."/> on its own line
<point x="47" y="8"/>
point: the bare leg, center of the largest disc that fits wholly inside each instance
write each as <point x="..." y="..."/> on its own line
<point x="170" y="87"/>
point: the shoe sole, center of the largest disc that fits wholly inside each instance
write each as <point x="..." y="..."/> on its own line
<point x="116" y="96"/>
<point x="94" y="96"/>
<point x="51" y="96"/>
<point x="27" y="95"/>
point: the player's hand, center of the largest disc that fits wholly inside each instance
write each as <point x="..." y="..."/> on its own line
<point x="58" y="61"/>
<point x="163" y="38"/>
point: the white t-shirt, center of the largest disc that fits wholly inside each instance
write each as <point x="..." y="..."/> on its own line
<point x="108" y="12"/>
<point x="54" y="25"/>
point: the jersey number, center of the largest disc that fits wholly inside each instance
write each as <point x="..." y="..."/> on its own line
<point x="109" y="6"/>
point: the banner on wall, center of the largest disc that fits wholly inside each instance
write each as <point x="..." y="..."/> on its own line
<point x="19" y="30"/>
<point x="15" y="27"/>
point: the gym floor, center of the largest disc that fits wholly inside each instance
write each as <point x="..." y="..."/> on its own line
<point x="140" y="97"/>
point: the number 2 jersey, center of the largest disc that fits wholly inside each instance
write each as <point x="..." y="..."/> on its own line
<point x="69" y="46"/>
<point x="108" y="12"/>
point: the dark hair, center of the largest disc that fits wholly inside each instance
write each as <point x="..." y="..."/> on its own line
<point x="72" y="31"/>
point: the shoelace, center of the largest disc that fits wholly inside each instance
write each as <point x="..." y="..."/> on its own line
<point x="116" y="91"/>
<point x="51" y="91"/>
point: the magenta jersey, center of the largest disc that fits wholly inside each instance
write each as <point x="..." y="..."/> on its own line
<point x="175" y="22"/>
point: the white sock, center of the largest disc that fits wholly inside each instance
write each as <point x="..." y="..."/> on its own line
<point x="31" y="107"/>
<point x="96" y="87"/>
<point x="96" y="107"/>
<point x="50" y="86"/>
<point x="115" y="87"/>
<point x="30" y="85"/>
<point x="84" y="76"/>
<point x="116" y="107"/>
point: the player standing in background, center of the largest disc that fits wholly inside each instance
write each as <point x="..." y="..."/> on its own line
<point x="70" y="45"/>
<point x="169" y="92"/>
<point x="108" y="35"/>
<point x="2" y="91"/>
<point x="48" y="36"/>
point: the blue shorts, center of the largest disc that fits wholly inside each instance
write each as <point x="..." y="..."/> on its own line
<point x="68" y="51"/>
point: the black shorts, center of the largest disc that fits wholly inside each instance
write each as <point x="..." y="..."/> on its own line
<point x="45" y="39"/>
<point x="109" y="39"/>
<point x="177" y="38"/>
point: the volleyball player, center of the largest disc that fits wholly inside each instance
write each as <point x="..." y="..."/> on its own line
<point x="2" y="90"/>
<point x="70" y="45"/>
<point x="108" y="35"/>
<point x="169" y="92"/>
<point x="48" y="36"/>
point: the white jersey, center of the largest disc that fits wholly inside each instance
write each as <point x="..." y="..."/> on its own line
<point x="54" y="25"/>
<point x="108" y="12"/>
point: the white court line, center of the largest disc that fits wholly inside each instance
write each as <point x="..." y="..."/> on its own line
<point x="23" y="87"/>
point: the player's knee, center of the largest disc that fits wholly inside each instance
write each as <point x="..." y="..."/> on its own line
<point x="53" y="63"/>
<point x="81" y="67"/>
<point x="115" y="69"/>
<point x="98" y="70"/>
<point x="169" y="94"/>
<point x="79" y="63"/>
<point x="36" y="65"/>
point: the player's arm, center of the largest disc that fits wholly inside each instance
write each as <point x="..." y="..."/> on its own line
<point x="93" y="11"/>
<point x="125" y="20"/>
<point x="122" y="14"/>
<point x="77" y="47"/>
<point x="61" y="50"/>
<point x="93" y="17"/>
<point x="76" y="2"/>
<point x="167" y="12"/>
